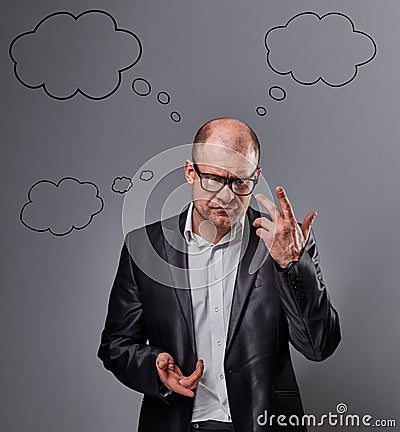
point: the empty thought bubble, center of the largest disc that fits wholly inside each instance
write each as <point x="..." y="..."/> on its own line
<point x="313" y="48"/>
<point x="121" y="184"/>
<point x="146" y="175"/>
<point x="61" y="207"/>
<point x="67" y="54"/>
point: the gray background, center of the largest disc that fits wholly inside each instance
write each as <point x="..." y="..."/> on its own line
<point x="335" y="149"/>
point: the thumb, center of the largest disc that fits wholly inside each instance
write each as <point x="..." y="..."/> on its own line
<point x="306" y="225"/>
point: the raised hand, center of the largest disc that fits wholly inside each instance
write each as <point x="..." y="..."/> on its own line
<point x="283" y="236"/>
<point x="172" y="377"/>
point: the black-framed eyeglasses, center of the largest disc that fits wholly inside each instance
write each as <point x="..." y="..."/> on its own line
<point x="215" y="183"/>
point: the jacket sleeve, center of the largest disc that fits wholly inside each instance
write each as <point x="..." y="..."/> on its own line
<point x="124" y="348"/>
<point x="313" y="322"/>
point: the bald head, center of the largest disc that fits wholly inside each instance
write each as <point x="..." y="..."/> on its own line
<point x="228" y="132"/>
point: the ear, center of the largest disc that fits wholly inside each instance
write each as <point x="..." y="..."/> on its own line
<point x="189" y="171"/>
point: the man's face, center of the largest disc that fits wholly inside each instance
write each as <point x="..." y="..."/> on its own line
<point x="223" y="208"/>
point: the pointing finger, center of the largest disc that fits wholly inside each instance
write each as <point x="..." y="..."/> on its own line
<point x="287" y="209"/>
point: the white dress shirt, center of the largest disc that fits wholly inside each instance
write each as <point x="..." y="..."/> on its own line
<point x="212" y="274"/>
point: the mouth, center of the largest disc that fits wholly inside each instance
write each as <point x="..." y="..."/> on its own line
<point x="222" y="208"/>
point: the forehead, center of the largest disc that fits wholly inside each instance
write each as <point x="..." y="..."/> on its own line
<point x="225" y="161"/>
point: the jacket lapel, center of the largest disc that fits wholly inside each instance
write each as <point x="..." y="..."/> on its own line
<point x="253" y="254"/>
<point x="177" y="256"/>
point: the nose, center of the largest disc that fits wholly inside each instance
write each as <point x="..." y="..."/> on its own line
<point x="225" y="194"/>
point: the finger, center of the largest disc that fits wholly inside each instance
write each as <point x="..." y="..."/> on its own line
<point x="194" y="378"/>
<point x="178" y="371"/>
<point x="286" y="207"/>
<point x="168" y="377"/>
<point x="263" y="222"/>
<point x="165" y="364"/>
<point x="272" y="209"/>
<point x="166" y="374"/>
<point x="163" y="361"/>
<point x="178" y="388"/>
<point x="266" y="236"/>
<point x="306" y="225"/>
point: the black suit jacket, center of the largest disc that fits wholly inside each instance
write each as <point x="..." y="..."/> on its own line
<point x="270" y="308"/>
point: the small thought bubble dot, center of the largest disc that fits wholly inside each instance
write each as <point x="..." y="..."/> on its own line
<point x="164" y="98"/>
<point x="261" y="111"/>
<point x="141" y="87"/>
<point x="277" y="93"/>
<point x="175" y="116"/>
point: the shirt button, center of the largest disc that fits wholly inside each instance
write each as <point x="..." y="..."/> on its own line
<point x="221" y="376"/>
<point x="196" y="425"/>
<point x="216" y="309"/>
<point x="219" y="343"/>
<point x="216" y="277"/>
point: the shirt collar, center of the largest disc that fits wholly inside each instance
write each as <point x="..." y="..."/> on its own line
<point x="191" y="237"/>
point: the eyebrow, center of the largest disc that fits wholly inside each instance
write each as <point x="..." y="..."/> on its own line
<point x="219" y="175"/>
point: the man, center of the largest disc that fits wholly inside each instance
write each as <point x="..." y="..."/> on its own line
<point x="207" y="342"/>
